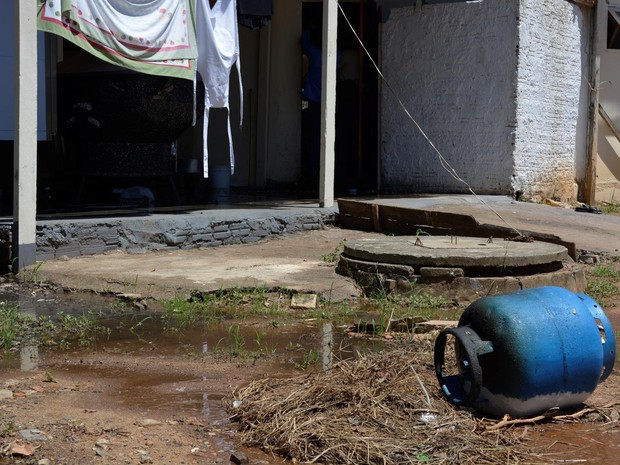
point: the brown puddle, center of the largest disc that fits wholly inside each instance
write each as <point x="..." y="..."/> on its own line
<point x="577" y="443"/>
<point x="148" y="368"/>
<point x="143" y="371"/>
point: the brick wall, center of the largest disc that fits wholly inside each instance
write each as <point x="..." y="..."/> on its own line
<point x="550" y="84"/>
<point x="454" y="66"/>
<point x="498" y="86"/>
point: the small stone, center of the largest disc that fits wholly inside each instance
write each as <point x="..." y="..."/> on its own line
<point x="44" y="462"/>
<point x="99" y="451"/>
<point x="589" y="259"/>
<point x="150" y="422"/>
<point x="129" y="296"/>
<point x="553" y="203"/>
<point x="102" y="443"/>
<point x="304" y="301"/>
<point x="18" y="449"/>
<point x="33" y="435"/>
<point x="239" y="458"/>
<point x="6" y="394"/>
<point x="140" y="304"/>
<point x="441" y="272"/>
<point x="145" y="458"/>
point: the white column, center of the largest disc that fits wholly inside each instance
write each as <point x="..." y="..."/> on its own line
<point x="328" y="103"/>
<point x="25" y="134"/>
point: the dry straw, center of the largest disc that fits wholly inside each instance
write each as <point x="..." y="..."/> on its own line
<point x="381" y="408"/>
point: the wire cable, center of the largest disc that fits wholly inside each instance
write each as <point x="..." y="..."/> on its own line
<point x="445" y="164"/>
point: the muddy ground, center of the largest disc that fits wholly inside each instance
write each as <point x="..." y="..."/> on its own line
<point x="149" y="399"/>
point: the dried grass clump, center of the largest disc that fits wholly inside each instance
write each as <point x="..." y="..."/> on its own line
<point x="382" y="408"/>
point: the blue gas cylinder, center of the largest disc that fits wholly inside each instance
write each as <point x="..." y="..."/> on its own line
<point x="526" y="352"/>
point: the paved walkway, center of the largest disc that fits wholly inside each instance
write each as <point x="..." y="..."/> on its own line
<point x="590" y="232"/>
<point x="290" y="253"/>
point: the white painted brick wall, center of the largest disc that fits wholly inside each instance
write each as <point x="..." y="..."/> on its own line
<point x="549" y="86"/>
<point x="454" y="66"/>
<point x="505" y="117"/>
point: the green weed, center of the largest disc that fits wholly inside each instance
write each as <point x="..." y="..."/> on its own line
<point x="82" y="328"/>
<point x="599" y="290"/>
<point x="31" y="275"/>
<point x="612" y="207"/>
<point x="61" y="330"/>
<point x="263" y="349"/>
<point x="9" y="325"/>
<point x="235" y="341"/>
<point x="309" y="358"/>
<point x="334" y="255"/>
<point x="605" y="271"/>
<point x="602" y="282"/>
<point x="7" y="429"/>
<point x="137" y="327"/>
<point x="225" y="304"/>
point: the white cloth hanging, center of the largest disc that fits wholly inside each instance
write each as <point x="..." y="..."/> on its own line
<point x="218" y="50"/>
<point x="148" y="36"/>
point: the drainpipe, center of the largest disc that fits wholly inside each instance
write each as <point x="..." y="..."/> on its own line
<point x="328" y="103"/>
<point x="597" y="17"/>
<point x="25" y="135"/>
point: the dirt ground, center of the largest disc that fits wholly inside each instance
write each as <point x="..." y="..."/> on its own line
<point x="114" y="406"/>
<point x="87" y="418"/>
<point x="121" y="406"/>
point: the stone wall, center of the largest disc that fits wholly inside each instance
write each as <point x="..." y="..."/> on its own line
<point x="73" y="238"/>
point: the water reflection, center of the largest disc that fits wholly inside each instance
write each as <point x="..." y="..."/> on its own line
<point x="327" y="343"/>
<point x="29" y="353"/>
<point x="29" y="358"/>
<point x="206" y="409"/>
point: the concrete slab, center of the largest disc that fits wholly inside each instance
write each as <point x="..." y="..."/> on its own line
<point x="458" y="252"/>
<point x="590" y="232"/>
<point x="293" y="261"/>
<point x="277" y="244"/>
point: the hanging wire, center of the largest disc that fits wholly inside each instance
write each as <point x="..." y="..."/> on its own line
<point x="442" y="160"/>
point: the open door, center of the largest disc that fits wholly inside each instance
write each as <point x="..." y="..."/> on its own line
<point x="356" y="99"/>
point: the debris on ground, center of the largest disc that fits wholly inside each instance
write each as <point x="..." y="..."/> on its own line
<point x="304" y="301"/>
<point x="381" y="408"/>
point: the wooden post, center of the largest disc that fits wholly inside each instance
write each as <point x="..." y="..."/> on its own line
<point x="25" y="135"/>
<point x="598" y="15"/>
<point x="328" y="103"/>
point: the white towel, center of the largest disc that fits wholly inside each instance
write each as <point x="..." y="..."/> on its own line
<point x="218" y="51"/>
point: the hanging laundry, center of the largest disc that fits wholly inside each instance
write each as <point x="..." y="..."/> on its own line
<point x="254" y="13"/>
<point x="218" y="51"/>
<point x="163" y="37"/>
<point x="148" y="36"/>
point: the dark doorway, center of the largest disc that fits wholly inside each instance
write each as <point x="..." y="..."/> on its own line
<point x="356" y="100"/>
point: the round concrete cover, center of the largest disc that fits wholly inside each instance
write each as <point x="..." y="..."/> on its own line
<point x="446" y="251"/>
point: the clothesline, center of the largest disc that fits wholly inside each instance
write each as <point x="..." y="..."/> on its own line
<point x="176" y="38"/>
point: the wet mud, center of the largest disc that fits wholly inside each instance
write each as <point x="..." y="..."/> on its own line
<point x="147" y="395"/>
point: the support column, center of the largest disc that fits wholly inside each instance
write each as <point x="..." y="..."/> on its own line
<point x="328" y="103"/>
<point x="598" y="18"/>
<point x="25" y="135"/>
